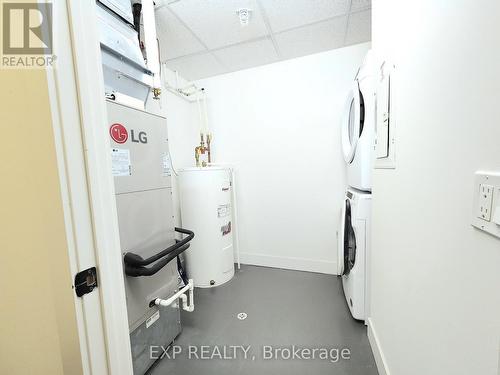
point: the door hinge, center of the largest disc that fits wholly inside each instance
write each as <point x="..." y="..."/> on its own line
<point x="85" y="281"/>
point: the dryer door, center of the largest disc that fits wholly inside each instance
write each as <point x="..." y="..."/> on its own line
<point x="353" y="122"/>
<point x="348" y="244"/>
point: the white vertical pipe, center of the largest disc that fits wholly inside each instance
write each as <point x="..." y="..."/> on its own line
<point x="205" y="111"/>
<point x="148" y="18"/>
<point x="200" y="120"/>
<point x="185" y="306"/>
<point x="235" y="218"/>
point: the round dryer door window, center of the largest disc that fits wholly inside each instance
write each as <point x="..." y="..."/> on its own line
<point x="349" y="240"/>
<point x="353" y="122"/>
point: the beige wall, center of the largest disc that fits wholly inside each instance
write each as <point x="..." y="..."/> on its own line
<point x="436" y="280"/>
<point x="38" y="332"/>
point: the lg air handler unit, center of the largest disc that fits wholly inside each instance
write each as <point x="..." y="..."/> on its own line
<point x="206" y="195"/>
<point x="143" y="188"/>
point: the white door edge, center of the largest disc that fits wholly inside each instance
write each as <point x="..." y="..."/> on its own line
<point x="76" y="93"/>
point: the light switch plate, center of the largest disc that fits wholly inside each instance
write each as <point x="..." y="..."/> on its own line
<point x="486" y="216"/>
<point x="386" y="119"/>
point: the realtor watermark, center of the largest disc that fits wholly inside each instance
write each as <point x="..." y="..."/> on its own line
<point x="27" y="35"/>
<point x="247" y="352"/>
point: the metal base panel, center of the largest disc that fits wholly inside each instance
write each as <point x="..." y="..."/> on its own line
<point x="150" y="337"/>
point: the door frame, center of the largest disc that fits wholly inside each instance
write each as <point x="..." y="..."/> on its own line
<point x="76" y="92"/>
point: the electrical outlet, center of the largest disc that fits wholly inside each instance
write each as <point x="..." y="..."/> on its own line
<point x="485" y="202"/>
<point x="486" y="206"/>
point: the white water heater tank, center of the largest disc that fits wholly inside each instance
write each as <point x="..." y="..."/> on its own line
<point x="205" y="200"/>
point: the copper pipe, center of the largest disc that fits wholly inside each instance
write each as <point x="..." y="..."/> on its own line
<point x="201" y="149"/>
<point x="209" y="156"/>
<point x="197" y="155"/>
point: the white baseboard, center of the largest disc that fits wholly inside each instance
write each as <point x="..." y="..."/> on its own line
<point x="289" y="263"/>
<point x="377" y="350"/>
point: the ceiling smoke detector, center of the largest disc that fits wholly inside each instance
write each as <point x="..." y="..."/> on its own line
<point x="244" y="15"/>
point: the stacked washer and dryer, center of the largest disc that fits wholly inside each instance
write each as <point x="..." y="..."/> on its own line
<point x="358" y="135"/>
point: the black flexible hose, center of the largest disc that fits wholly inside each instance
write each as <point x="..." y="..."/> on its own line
<point x="136" y="260"/>
<point x="145" y="271"/>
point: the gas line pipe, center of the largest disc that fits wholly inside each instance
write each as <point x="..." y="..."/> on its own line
<point x="181" y="294"/>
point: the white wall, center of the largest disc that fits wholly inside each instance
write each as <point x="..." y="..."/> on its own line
<point x="436" y="280"/>
<point x="181" y="128"/>
<point x="183" y="131"/>
<point x="280" y="124"/>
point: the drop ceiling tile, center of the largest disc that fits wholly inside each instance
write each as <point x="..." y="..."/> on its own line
<point x="175" y="39"/>
<point x="287" y="14"/>
<point x="312" y="38"/>
<point x="196" y="66"/>
<point x="246" y="55"/>
<point x="359" y="28"/>
<point x="360" y="5"/>
<point x="216" y="23"/>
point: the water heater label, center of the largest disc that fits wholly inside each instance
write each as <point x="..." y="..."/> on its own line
<point x="153" y="318"/>
<point x="166" y="164"/>
<point x="120" y="162"/>
<point x="223" y="210"/>
<point x="225" y="229"/>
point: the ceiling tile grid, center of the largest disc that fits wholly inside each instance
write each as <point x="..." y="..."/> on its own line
<point x="313" y="38"/>
<point x="203" y="38"/>
<point x="176" y="39"/>
<point x="216" y="22"/>
<point x="360" y="5"/>
<point x="286" y="14"/>
<point x="246" y="55"/>
<point x="201" y="65"/>
<point x="359" y="27"/>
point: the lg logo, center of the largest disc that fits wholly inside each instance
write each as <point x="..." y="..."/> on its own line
<point x="142" y="137"/>
<point x="119" y="134"/>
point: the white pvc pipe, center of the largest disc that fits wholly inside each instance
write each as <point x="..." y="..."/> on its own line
<point x="206" y="113"/>
<point x="178" y="93"/>
<point x="182" y="296"/>
<point x="148" y="17"/>
<point x="200" y="120"/>
<point x="235" y="218"/>
<point x="174" y="89"/>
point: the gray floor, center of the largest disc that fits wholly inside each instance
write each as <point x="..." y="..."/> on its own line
<point x="284" y="308"/>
